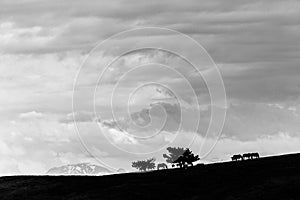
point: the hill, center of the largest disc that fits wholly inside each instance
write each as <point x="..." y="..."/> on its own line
<point x="266" y="178"/>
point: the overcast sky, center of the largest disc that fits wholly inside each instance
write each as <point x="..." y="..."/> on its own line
<point x="43" y="45"/>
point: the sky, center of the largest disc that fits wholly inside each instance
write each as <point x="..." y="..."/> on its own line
<point x="67" y="98"/>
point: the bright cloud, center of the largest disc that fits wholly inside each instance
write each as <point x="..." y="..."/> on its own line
<point x="43" y="44"/>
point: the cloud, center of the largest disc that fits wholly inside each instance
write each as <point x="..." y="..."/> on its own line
<point x="228" y="28"/>
<point x="32" y="146"/>
<point x="263" y="83"/>
<point x="43" y="44"/>
<point x="30" y="115"/>
<point x="78" y="117"/>
<point x="244" y="121"/>
<point x="120" y="137"/>
<point x="40" y="83"/>
<point x="253" y="121"/>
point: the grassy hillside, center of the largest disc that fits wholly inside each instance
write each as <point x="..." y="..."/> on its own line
<point x="267" y="178"/>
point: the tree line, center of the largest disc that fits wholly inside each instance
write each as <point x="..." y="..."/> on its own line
<point x="177" y="156"/>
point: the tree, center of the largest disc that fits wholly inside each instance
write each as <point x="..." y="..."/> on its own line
<point x="180" y="156"/>
<point x="144" y="165"/>
<point x="174" y="154"/>
<point x="189" y="157"/>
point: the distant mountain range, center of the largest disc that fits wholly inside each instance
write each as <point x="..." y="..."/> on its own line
<point x="79" y="169"/>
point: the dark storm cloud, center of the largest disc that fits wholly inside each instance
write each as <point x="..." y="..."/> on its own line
<point x="263" y="82"/>
<point x="256" y="44"/>
<point x="234" y="26"/>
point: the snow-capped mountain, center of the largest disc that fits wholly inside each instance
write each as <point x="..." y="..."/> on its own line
<point x="121" y="170"/>
<point x="79" y="169"/>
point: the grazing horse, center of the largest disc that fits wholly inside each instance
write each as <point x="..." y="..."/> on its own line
<point x="247" y="156"/>
<point x="250" y="156"/>
<point x="162" y="165"/>
<point x="255" y="155"/>
<point x="237" y="157"/>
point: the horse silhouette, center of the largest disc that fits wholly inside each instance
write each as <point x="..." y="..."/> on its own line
<point x="250" y="156"/>
<point x="162" y="165"/>
<point x="237" y="157"/>
<point x="255" y="155"/>
<point x="247" y="156"/>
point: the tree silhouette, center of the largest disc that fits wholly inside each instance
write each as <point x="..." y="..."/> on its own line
<point x="174" y="154"/>
<point x="180" y="156"/>
<point x="144" y="165"/>
<point x="188" y="157"/>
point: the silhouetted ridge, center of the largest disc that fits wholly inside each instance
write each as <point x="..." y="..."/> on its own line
<point x="270" y="178"/>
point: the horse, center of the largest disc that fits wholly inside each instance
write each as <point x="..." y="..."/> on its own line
<point x="237" y="157"/>
<point x="247" y="156"/>
<point x="250" y="156"/>
<point x="255" y="155"/>
<point x="162" y="165"/>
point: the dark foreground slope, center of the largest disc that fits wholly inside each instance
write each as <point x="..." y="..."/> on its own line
<point x="267" y="178"/>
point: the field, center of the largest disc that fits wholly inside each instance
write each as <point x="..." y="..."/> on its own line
<point x="275" y="177"/>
